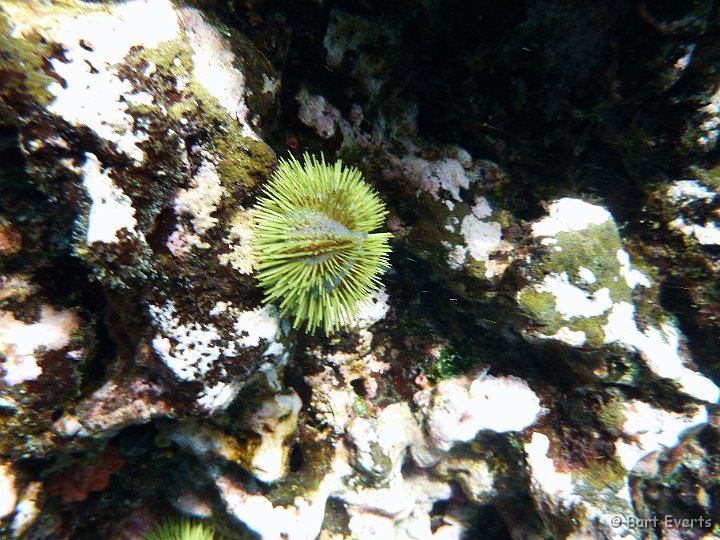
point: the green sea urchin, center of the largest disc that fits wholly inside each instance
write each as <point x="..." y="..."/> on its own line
<point x="180" y="529"/>
<point x="314" y="245"/>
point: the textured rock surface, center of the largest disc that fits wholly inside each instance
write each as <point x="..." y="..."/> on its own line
<point x="541" y="360"/>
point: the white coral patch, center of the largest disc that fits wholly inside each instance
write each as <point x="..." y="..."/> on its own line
<point x="219" y="396"/>
<point x="711" y="126"/>
<point x="301" y="520"/>
<point x="316" y="112"/>
<point x="688" y="191"/>
<point x="707" y="234"/>
<point x="545" y="477"/>
<point x="111" y="211"/>
<point x="275" y="420"/>
<point x="189" y="350"/>
<point x="372" y="310"/>
<point x="431" y="176"/>
<point x="572" y="301"/>
<point x="8" y="494"/>
<point x="457" y="257"/>
<point x="482" y="208"/>
<point x="93" y="42"/>
<point x="659" y="348"/>
<point x="633" y="278"/>
<point x="460" y="408"/>
<point x="240" y="241"/>
<point x="586" y="275"/>
<point x="19" y="341"/>
<point x="483" y="239"/>
<point x="567" y="215"/>
<point x="648" y="429"/>
<point x="214" y="67"/>
<point x="252" y="326"/>
<point x="571" y="337"/>
<point x="200" y="200"/>
<point x="27" y="509"/>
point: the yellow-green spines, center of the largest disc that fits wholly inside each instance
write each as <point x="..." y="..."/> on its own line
<point x="317" y="254"/>
<point x="180" y="529"/>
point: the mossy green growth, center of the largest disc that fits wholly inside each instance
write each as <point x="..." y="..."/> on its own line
<point x="576" y="255"/>
<point x="606" y="474"/>
<point x="360" y="407"/>
<point x="243" y="161"/>
<point x="180" y="529"/>
<point x="316" y="253"/>
<point x="453" y="360"/>
<point x="22" y="59"/>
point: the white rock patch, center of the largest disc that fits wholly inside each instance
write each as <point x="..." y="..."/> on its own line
<point x="431" y="176"/>
<point x="94" y="42"/>
<point x="572" y="301"/>
<point x="8" y="493"/>
<point x="659" y="348"/>
<point x="20" y="340"/>
<point x="111" y="211"/>
<point x="457" y="409"/>
<point x="567" y="215"/>
<point x="200" y="200"/>
<point x="559" y="486"/>
<point x="648" y="429"/>
<point x="213" y="67"/>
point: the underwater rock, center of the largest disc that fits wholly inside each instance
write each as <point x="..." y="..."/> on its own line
<point x="44" y="351"/>
<point x="150" y="141"/>
<point x="262" y="441"/>
<point x="116" y="405"/>
<point x="584" y="292"/>
<point x="9" y="493"/>
<point x="540" y="361"/>
<point x="597" y="501"/>
<point x="75" y="483"/>
<point x="456" y="409"/>
<point x="209" y="352"/>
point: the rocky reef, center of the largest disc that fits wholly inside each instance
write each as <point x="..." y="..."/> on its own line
<point x="541" y="361"/>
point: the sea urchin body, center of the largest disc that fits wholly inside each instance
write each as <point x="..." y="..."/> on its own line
<point x="316" y="253"/>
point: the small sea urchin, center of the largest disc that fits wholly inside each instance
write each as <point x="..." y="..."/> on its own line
<point x="180" y="529"/>
<point x="315" y="249"/>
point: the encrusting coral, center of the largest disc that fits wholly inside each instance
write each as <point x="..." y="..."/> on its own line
<point x="314" y="244"/>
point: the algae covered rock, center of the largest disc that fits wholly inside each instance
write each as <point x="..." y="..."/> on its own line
<point x="539" y="359"/>
<point x="584" y="292"/>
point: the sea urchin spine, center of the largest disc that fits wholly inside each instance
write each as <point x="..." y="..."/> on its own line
<point x="316" y="253"/>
